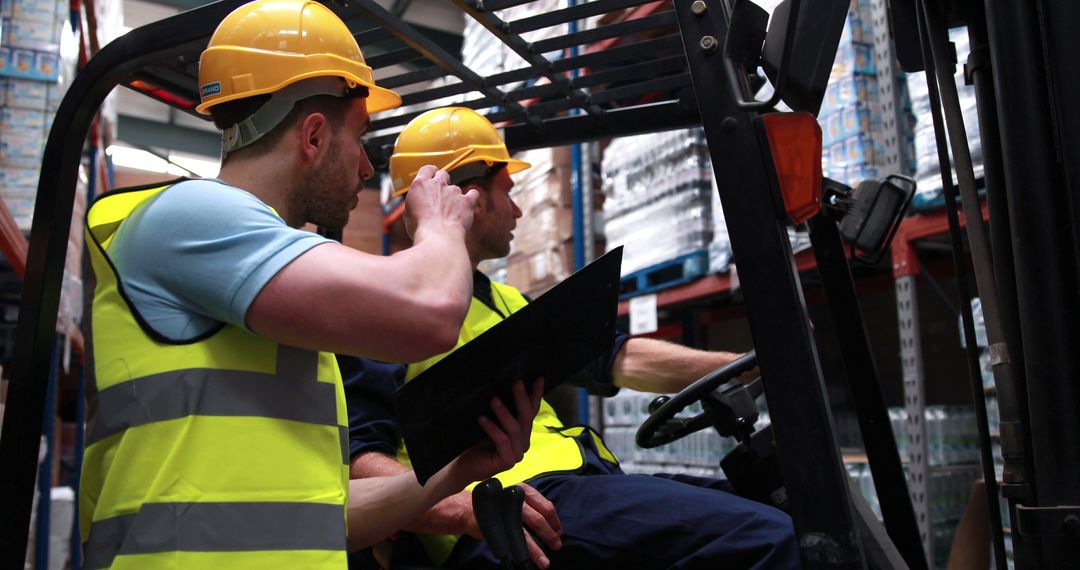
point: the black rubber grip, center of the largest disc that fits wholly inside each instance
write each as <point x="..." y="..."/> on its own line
<point x="513" y="498"/>
<point x="487" y="499"/>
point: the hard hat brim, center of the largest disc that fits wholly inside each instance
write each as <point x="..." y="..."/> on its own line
<point x="513" y="166"/>
<point x="381" y="99"/>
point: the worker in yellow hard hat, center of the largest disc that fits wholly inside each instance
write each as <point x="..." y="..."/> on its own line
<point x="582" y="511"/>
<point x="216" y="437"/>
<point x="454" y="137"/>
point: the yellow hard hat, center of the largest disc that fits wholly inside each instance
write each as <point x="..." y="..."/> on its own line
<point x="266" y="45"/>
<point x="449" y="136"/>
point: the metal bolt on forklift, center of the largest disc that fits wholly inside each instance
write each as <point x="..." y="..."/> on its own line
<point x="696" y="64"/>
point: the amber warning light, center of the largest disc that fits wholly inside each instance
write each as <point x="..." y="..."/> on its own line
<point x="795" y="145"/>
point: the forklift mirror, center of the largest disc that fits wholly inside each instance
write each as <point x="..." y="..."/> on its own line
<point x="816" y="37"/>
<point x="871" y="212"/>
<point x="746" y="34"/>
<point x="905" y="32"/>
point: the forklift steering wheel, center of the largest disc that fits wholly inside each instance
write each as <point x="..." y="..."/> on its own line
<point x="725" y="408"/>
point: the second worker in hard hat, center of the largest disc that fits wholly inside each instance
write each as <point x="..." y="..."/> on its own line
<point x="217" y="414"/>
<point x="580" y="505"/>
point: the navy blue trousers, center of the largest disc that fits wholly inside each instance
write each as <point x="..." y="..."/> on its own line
<point x="630" y="522"/>
<point x="654" y="521"/>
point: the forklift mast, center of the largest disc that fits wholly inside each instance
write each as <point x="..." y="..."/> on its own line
<point x="690" y="63"/>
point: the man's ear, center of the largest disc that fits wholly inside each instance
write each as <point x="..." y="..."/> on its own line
<point x="479" y="207"/>
<point x="314" y="134"/>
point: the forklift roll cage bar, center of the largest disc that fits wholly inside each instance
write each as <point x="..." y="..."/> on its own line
<point x="655" y="69"/>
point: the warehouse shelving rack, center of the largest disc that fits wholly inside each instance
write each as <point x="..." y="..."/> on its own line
<point x="680" y="73"/>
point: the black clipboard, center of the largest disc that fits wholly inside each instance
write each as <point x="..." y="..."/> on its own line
<point x="555" y="337"/>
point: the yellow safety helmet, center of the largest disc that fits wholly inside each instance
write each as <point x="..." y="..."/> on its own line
<point x="449" y="136"/>
<point x="266" y="46"/>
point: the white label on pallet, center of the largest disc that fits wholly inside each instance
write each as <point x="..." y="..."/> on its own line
<point x="643" y="314"/>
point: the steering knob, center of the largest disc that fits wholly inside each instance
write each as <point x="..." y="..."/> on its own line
<point x="657" y="402"/>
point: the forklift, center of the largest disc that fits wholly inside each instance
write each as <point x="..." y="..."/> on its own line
<point x="696" y="62"/>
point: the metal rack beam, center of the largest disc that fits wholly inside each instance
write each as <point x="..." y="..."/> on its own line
<point x="621" y="29"/>
<point x="511" y="38"/>
<point x="556" y="17"/>
<point x="644" y="49"/>
<point x="432" y="51"/>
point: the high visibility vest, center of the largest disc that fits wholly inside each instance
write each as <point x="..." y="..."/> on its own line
<point x="554" y="448"/>
<point x="223" y="451"/>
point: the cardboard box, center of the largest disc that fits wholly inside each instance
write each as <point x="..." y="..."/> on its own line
<point x="54" y="93"/>
<point x="540" y="190"/>
<point x="11" y="118"/>
<point x="25" y="94"/>
<point x="544" y="159"/>
<point x="854" y="58"/>
<point x="857" y="28"/>
<point x="22" y="209"/>
<point x="860" y="149"/>
<point x="536" y="272"/>
<point x="21" y="146"/>
<point x="859" y="119"/>
<point x="12" y="178"/>
<point x="848" y="89"/>
<point x="29" y="64"/>
<point x="543" y="228"/>
<point x="32" y="34"/>
<point x="39" y="10"/>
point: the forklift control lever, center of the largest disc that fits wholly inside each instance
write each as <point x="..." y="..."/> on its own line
<point x="498" y="513"/>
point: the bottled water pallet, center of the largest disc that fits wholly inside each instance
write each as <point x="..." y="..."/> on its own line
<point x="670" y="273"/>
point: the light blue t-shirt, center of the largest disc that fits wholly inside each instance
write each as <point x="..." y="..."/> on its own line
<point x="197" y="254"/>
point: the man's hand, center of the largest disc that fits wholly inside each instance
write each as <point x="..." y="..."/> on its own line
<point x="538" y="514"/>
<point x="508" y="441"/>
<point x="432" y="199"/>
<point x="540" y="517"/>
<point x="750" y="375"/>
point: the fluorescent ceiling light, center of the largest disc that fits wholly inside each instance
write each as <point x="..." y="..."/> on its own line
<point x="177" y="165"/>
<point x="204" y="167"/>
<point x="136" y="159"/>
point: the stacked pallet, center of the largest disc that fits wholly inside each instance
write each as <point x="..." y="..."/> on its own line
<point x="33" y="79"/>
<point x="659" y="205"/>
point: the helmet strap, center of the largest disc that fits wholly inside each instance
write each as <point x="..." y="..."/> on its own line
<point x="468" y="172"/>
<point x="281" y="103"/>
<point x="473" y="171"/>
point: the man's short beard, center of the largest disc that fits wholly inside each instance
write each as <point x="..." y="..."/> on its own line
<point x="310" y="196"/>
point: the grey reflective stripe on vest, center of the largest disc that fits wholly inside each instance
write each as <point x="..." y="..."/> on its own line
<point x="209" y="392"/>
<point x="216" y="527"/>
<point x="297" y="363"/>
<point x="292" y="393"/>
<point x="343" y="435"/>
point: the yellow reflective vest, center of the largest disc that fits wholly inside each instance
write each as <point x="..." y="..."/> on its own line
<point x="223" y="451"/>
<point x="554" y="448"/>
